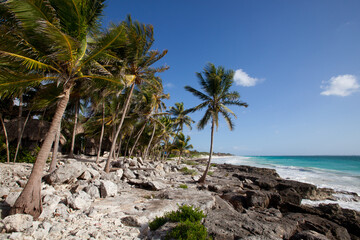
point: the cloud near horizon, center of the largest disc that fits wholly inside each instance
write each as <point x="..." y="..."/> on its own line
<point x="243" y="79"/>
<point x="342" y="85"/>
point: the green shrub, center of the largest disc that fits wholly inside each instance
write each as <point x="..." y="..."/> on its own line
<point x="191" y="163"/>
<point x="188" y="230"/>
<point x="210" y="173"/>
<point x="187" y="171"/>
<point x="184" y="186"/>
<point x="157" y="222"/>
<point x="213" y="164"/>
<point x="186" y="212"/>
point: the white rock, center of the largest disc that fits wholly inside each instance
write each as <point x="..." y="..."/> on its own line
<point x="80" y="200"/>
<point x="156" y="185"/>
<point x="93" y="191"/>
<point x="65" y="173"/>
<point x="129" y="174"/>
<point x="132" y="162"/>
<point x="11" y="198"/>
<point x="119" y="173"/>
<point x="94" y="173"/>
<point x="50" y="203"/>
<point x="139" y="159"/>
<point x="107" y="189"/>
<point x="85" y="175"/>
<point x="17" y="222"/>
<point x="4" y="191"/>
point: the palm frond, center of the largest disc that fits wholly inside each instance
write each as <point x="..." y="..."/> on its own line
<point x="204" y="120"/>
<point x="197" y="93"/>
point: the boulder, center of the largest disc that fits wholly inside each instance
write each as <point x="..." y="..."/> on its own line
<point x="119" y="173"/>
<point x="11" y="198"/>
<point x="85" y="175"/>
<point x="128" y="174"/>
<point x="17" y="222"/>
<point x="65" y="173"/>
<point x="79" y="201"/>
<point x="50" y="203"/>
<point x="93" y="191"/>
<point x="107" y="189"/>
<point x="4" y="191"/>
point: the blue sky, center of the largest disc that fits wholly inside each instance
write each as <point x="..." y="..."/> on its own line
<point x="297" y="66"/>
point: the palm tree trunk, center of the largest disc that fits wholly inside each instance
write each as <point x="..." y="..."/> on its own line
<point x="55" y="151"/>
<point x="29" y="201"/>
<point x="127" y="144"/>
<point x="148" y="147"/>
<point x="119" y="146"/>
<point x="102" y="132"/>
<point x="127" y="103"/>
<point x="203" y="177"/>
<point x="71" y="154"/>
<point x="19" y="123"/>
<point x="137" y="139"/>
<point x="21" y="134"/>
<point x="6" y="138"/>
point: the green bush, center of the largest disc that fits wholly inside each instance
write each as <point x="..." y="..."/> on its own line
<point x="187" y="171"/>
<point x="188" y="230"/>
<point x="210" y="173"/>
<point x="191" y="163"/>
<point x="184" y="186"/>
<point x="183" y="214"/>
<point x="186" y="212"/>
<point x="157" y="222"/>
<point x="24" y="155"/>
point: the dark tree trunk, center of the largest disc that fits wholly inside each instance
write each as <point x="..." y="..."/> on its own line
<point x="21" y="134"/>
<point x="102" y="132"/>
<point x="124" y="112"/>
<point x="203" y="177"/>
<point x="71" y="154"/>
<point x="29" y="201"/>
<point x="55" y="151"/>
<point x="19" y="125"/>
<point x="151" y="139"/>
<point x="137" y="138"/>
<point x="6" y="139"/>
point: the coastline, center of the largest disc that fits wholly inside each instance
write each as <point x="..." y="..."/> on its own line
<point x="235" y="199"/>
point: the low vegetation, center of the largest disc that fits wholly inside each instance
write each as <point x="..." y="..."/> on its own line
<point x="183" y="186"/>
<point x="189" y="224"/>
<point x="188" y="171"/>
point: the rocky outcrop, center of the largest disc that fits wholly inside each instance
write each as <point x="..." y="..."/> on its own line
<point x="240" y="202"/>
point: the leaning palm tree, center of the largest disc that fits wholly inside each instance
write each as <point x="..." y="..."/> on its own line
<point x="48" y="39"/>
<point x="216" y="83"/>
<point x="139" y="59"/>
<point x="180" y="118"/>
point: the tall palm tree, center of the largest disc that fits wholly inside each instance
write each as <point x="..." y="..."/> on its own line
<point x="216" y="96"/>
<point x="181" y="145"/>
<point x="139" y="59"/>
<point x="48" y="39"/>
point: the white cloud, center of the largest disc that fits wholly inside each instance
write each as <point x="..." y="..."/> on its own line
<point x="169" y="85"/>
<point x="342" y="85"/>
<point x="243" y="79"/>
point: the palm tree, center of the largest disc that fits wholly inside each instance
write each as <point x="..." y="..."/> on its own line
<point x="48" y="39"/>
<point x="180" y="118"/>
<point x="216" y="83"/>
<point x="181" y="145"/>
<point x="138" y="60"/>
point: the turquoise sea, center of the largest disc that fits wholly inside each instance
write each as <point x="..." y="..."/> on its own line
<point x="341" y="173"/>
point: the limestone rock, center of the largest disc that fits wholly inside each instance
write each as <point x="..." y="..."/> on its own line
<point x="85" y="175"/>
<point x="107" y="189"/>
<point x="4" y="191"/>
<point x="50" y="203"/>
<point x="79" y="200"/>
<point x="11" y="198"/>
<point x="17" y="222"/>
<point x="128" y="174"/>
<point x="93" y="191"/>
<point x="65" y="173"/>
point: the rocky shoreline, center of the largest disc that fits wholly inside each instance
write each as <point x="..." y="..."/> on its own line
<point x="81" y="201"/>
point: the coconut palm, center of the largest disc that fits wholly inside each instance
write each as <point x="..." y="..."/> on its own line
<point x="181" y="145"/>
<point x="216" y="96"/>
<point x="138" y="61"/>
<point x="180" y="118"/>
<point x="48" y="39"/>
